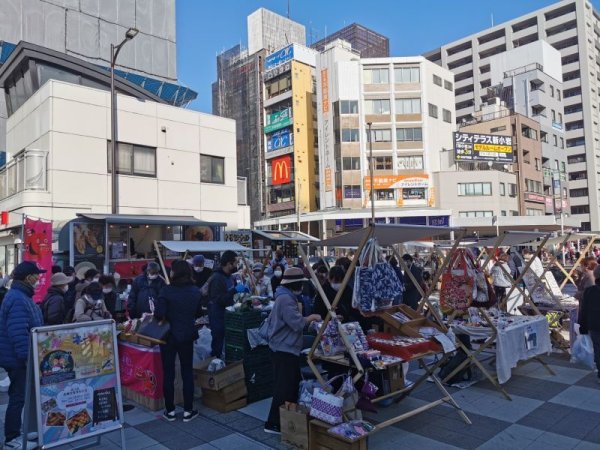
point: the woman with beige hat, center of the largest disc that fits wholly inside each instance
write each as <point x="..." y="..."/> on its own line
<point x="53" y="305"/>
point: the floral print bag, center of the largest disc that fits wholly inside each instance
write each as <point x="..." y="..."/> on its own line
<point x="458" y="283"/>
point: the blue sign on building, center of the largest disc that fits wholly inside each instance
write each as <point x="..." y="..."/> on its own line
<point x="439" y="221"/>
<point x="352" y="192"/>
<point x="279" y="57"/>
<point x="418" y="220"/>
<point x="280" y="139"/>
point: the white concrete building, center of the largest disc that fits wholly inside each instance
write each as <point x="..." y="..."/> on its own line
<point x="573" y="28"/>
<point x="179" y="162"/>
<point x="270" y="31"/>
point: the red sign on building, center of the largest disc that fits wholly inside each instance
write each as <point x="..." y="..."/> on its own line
<point x="281" y="170"/>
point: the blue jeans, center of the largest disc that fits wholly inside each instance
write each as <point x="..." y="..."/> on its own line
<point x="16" y="401"/>
<point x="595" y="335"/>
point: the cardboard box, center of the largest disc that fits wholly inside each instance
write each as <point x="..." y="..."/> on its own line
<point x="228" y="394"/>
<point x="294" y="425"/>
<point x="410" y="328"/>
<point x="321" y="439"/>
<point x="220" y="379"/>
<point x="395" y="377"/>
<point x="225" y="407"/>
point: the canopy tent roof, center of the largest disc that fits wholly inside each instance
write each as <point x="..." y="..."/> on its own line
<point x="142" y="219"/>
<point x="387" y="234"/>
<point x="511" y="239"/>
<point x="286" y="235"/>
<point x="203" y="246"/>
<point x="572" y="237"/>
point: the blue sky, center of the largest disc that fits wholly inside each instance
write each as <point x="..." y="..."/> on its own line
<point x="206" y="27"/>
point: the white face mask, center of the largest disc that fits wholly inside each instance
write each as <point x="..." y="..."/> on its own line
<point x="96" y="279"/>
<point x="107" y="290"/>
<point x="336" y="286"/>
<point x="65" y="289"/>
<point x="198" y="269"/>
<point x="152" y="277"/>
<point x="278" y="273"/>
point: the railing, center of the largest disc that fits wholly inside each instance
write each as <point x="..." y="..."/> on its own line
<point x="523" y="69"/>
<point x="487" y="117"/>
<point x="27" y="171"/>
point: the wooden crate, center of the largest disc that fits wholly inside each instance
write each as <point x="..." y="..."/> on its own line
<point x="139" y="339"/>
<point x="228" y="394"/>
<point x="410" y="328"/>
<point x="320" y="439"/>
<point x="225" y="407"/>
<point x="153" y="404"/>
<point x="220" y="379"/>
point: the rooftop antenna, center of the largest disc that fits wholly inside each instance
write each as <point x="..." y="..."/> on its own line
<point x="492" y="16"/>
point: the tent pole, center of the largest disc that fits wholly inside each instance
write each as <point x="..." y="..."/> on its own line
<point x="160" y="260"/>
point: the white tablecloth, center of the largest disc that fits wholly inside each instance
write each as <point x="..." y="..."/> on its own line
<point x="511" y="343"/>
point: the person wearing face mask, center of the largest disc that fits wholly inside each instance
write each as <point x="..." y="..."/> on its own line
<point x="91" y="305"/>
<point x="109" y="293"/>
<point x="53" y="305"/>
<point x="276" y="278"/>
<point x="144" y="291"/>
<point x="18" y="315"/>
<point x="263" y="284"/>
<point x="279" y="260"/>
<point x="89" y="276"/>
<point x="221" y="289"/>
<point x="201" y="273"/>
<point x="285" y="331"/>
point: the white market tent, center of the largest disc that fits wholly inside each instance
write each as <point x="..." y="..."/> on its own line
<point x="203" y="246"/>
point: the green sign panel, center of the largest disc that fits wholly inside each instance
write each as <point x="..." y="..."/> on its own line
<point x="278" y="120"/>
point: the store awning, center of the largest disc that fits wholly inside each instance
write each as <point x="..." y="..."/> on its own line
<point x="286" y="236"/>
<point x="142" y="219"/>
<point x="573" y="237"/>
<point x="511" y="239"/>
<point x="387" y="234"/>
<point x="203" y="246"/>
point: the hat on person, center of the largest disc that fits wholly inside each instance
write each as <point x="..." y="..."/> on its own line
<point x="26" y="268"/>
<point x="292" y="275"/>
<point x="59" y="278"/>
<point x="153" y="266"/>
<point x="257" y="267"/>
<point x="198" y="259"/>
<point x="94" y="290"/>
<point x="82" y="268"/>
<point x="69" y="271"/>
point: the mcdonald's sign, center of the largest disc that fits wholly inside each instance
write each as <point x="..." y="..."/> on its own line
<point x="281" y="170"/>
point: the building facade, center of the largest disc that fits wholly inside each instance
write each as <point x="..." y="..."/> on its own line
<point x="368" y="43"/>
<point x="409" y="103"/>
<point x="270" y="31"/>
<point x="290" y="132"/>
<point x="573" y="28"/>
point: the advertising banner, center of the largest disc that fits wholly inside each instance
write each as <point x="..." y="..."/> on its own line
<point x="278" y="120"/>
<point x="397" y="181"/>
<point x="141" y="369"/>
<point x="78" y="392"/>
<point x="280" y="139"/>
<point x="281" y="170"/>
<point x="38" y="248"/>
<point x="279" y="57"/>
<point x="240" y="237"/>
<point x="483" y="147"/>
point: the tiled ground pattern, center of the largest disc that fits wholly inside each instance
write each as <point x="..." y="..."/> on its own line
<point x="561" y="411"/>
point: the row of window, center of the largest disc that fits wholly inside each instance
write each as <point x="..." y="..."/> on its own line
<point x="401" y="75"/>
<point x="411" y="162"/>
<point x="384" y="135"/>
<point x="354" y="191"/>
<point x="484" y="189"/>
<point x="484" y="213"/>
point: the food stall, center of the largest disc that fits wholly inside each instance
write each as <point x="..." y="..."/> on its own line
<point x="265" y="242"/>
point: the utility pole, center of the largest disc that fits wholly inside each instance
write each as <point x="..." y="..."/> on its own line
<point x="371" y="170"/>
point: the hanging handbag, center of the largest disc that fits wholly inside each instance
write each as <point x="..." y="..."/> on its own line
<point x="457" y="289"/>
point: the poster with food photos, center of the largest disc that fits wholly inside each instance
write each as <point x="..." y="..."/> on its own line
<point x="78" y="390"/>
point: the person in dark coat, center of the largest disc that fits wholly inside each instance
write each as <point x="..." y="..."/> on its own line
<point x="144" y="290"/>
<point x="179" y="304"/>
<point x="589" y="316"/>
<point x="71" y="292"/>
<point x="278" y="270"/>
<point x="109" y="293"/>
<point x="201" y="273"/>
<point x="53" y="305"/>
<point x="18" y="315"/>
<point x="221" y="290"/>
<point x="412" y="296"/>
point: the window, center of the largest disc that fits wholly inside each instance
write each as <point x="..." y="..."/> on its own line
<point x="537" y="164"/>
<point x="497" y="129"/>
<point x="560" y="119"/>
<point x="474" y="189"/>
<point x="503" y="213"/>
<point x="376" y="76"/>
<point x="408" y="106"/>
<point x="582" y="209"/>
<point x="212" y="169"/>
<point x="575" y="142"/>
<point x="551" y="91"/>
<point x="447" y="115"/>
<point x="349" y="106"/>
<point x="534" y="212"/>
<point x="553" y="115"/>
<point x="352" y="191"/>
<point x="133" y="159"/>
<point x="279" y="86"/>
<point x="437" y="80"/>
<point x="377" y="106"/>
<point x="563" y="167"/>
<point x="433" y="111"/>
<point x="406" y="74"/>
<point x="581" y="192"/>
<point x="384" y="194"/>
<point x="410" y="162"/>
<point x="475" y="213"/>
<point x="555" y="140"/>
<point x="282" y="194"/>
<point x="512" y="189"/>
<point x="562" y="142"/>
<point x="502" y="189"/>
<point x="448" y="85"/>
<point x="533" y="186"/>
<point x="382" y="162"/>
<point x="350" y="135"/>
<point x="382" y="135"/>
<point x="574" y="159"/>
<point x="558" y="94"/>
<point x="529" y="132"/>
<point x="351" y="163"/>
<point x="575" y="176"/>
<point x="414" y="194"/>
<point x="514" y="213"/>
<point x="409" y="134"/>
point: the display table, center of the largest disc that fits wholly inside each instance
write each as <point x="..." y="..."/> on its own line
<point x="525" y="337"/>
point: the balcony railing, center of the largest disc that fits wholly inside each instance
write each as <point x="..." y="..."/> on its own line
<point x="523" y="69"/>
<point x="27" y="171"/>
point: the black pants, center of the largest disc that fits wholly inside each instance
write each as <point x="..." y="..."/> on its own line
<point x="286" y="375"/>
<point x="168" y="353"/>
<point x="500" y="293"/>
<point x="16" y="401"/>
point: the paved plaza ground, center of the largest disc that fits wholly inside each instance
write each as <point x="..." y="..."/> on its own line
<point x="561" y="411"/>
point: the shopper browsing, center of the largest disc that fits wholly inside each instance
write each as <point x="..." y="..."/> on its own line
<point x="501" y="277"/>
<point x="412" y="296"/>
<point x="263" y="284"/>
<point x="279" y="260"/>
<point x="276" y="278"/>
<point x="221" y="290"/>
<point x="53" y="305"/>
<point x="91" y="305"/>
<point x="144" y="291"/>
<point x="285" y="331"/>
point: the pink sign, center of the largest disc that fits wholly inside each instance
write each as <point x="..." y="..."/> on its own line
<point x="141" y="369"/>
<point x="38" y="248"/>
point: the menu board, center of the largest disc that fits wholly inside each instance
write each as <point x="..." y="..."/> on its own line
<point x="78" y="390"/>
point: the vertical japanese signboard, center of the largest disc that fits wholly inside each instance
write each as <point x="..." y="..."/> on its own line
<point x="76" y="377"/>
<point x="38" y="248"/>
<point x="483" y="147"/>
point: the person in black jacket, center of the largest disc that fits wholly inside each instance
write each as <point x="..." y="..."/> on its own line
<point x="201" y="273"/>
<point x="71" y="292"/>
<point x="221" y="290"/>
<point x="589" y="316"/>
<point x="109" y="293"/>
<point x="411" y="296"/>
<point x="144" y="290"/>
<point x="179" y="304"/>
<point x="53" y="305"/>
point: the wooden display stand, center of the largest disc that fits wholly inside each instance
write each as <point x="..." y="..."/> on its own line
<point x="319" y="438"/>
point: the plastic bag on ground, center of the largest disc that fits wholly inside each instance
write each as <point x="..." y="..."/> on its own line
<point x="583" y="351"/>
<point x="202" y="347"/>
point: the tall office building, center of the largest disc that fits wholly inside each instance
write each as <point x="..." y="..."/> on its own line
<point x="368" y="43"/>
<point x="238" y="93"/>
<point x="573" y="28"/>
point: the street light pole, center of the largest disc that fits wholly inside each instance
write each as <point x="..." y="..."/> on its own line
<point x="114" y="52"/>
<point x="371" y="170"/>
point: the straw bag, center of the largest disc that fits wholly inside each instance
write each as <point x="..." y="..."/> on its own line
<point x="376" y="285"/>
<point x="458" y="283"/>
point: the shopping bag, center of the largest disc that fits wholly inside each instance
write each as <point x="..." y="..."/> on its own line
<point x="202" y="345"/>
<point x="484" y="294"/>
<point x="306" y="390"/>
<point x="294" y="425"/>
<point x="583" y="351"/>
<point x="327" y="407"/>
<point x="155" y="329"/>
<point x="457" y="283"/>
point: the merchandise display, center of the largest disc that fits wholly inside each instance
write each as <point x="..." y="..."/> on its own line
<point x="353" y="430"/>
<point x="403" y="347"/>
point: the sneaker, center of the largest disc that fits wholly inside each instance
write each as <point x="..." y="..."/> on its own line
<point x="188" y="416"/>
<point x="16" y="443"/>
<point x="170" y="416"/>
<point x="272" y="428"/>
<point x="32" y="436"/>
